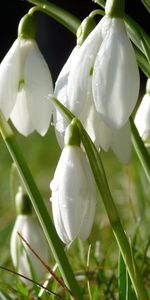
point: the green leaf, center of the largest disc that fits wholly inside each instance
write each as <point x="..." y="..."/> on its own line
<point x="146" y="3"/>
<point x="141" y="150"/>
<point x="122" y="278"/>
<point x="130" y="295"/>
<point x="142" y="62"/>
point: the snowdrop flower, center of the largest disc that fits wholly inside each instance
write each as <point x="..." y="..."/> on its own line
<point x="74" y="88"/>
<point x="25" y="82"/>
<point x="102" y="135"/>
<point x="142" y="117"/>
<point x="23" y="259"/>
<point x="73" y="191"/>
<point x="108" y="57"/>
<point x="61" y="84"/>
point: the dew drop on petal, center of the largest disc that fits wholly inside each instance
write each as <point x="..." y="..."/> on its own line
<point x="54" y="185"/>
<point x="64" y="205"/>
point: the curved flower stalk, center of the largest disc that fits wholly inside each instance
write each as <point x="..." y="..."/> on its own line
<point x="25" y="82"/>
<point x="73" y="191"/>
<point x="23" y="259"/>
<point x="142" y="117"/>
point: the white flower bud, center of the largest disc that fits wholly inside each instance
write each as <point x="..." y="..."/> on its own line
<point x="25" y="262"/>
<point x="73" y="195"/>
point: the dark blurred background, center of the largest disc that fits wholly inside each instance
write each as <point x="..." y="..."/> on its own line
<point x="55" y="41"/>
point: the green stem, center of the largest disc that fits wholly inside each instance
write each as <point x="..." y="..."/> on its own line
<point x="141" y="150"/>
<point x="40" y="209"/>
<point x="115" y="8"/>
<point x="102" y="184"/>
<point x="59" y="14"/>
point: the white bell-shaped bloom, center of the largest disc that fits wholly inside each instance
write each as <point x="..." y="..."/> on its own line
<point x="25" y="262"/>
<point x="142" y="119"/>
<point x="25" y="82"/>
<point x="115" y="75"/>
<point x="73" y="195"/>
<point x="108" y="57"/>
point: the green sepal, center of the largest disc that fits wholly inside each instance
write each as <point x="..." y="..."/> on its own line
<point x="84" y="29"/>
<point x="115" y="8"/>
<point x="72" y="135"/>
<point x="27" y="27"/>
<point x="23" y="203"/>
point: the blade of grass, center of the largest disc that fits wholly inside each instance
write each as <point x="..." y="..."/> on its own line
<point x="122" y="278"/>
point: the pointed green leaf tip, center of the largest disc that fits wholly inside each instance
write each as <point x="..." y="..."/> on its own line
<point x="72" y="135"/>
<point x="27" y="27"/>
<point x="115" y="8"/>
<point x="23" y="204"/>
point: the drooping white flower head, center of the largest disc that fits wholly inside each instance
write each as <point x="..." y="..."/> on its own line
<point x="106" y="55"/>
<point x="25" y="82"/>
<point x="142" y="117"/>
<point x="24" y="261"/>
<point x="73" y="195"/>
<point x="115" y="75"/>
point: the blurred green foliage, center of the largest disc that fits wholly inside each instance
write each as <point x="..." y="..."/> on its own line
<point x="131" y="192"/>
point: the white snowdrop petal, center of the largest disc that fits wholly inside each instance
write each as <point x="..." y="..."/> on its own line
<point x="28" y="227"/>
<point x="13" y="241"/>
<point x="60" y="124"/>
<point x="81" y="71"/>
<point x="115" y="76"/>
<point x="121" y="143"/>
<point x="71" y="191"/>
<point x="88" y="219"/>
<point x="38" y="86"/>
<point x="142" y="118"/>
<point x="20" y="114"/>
<point x="103" y="132"/>
<point x="9" y="78"/>
<point x="60" y="92"/>
<point x="58" y="221"/>
<point x="90" y="204"/>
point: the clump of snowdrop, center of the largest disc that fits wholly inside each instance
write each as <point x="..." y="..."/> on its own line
<point x="25" y="82"/>
<point x="100" y="83"/>
<point x="73" y="190"/>
<point x="23" y="259"/>
<point x="142" y="117"/>
<point x="107" y="57"/>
